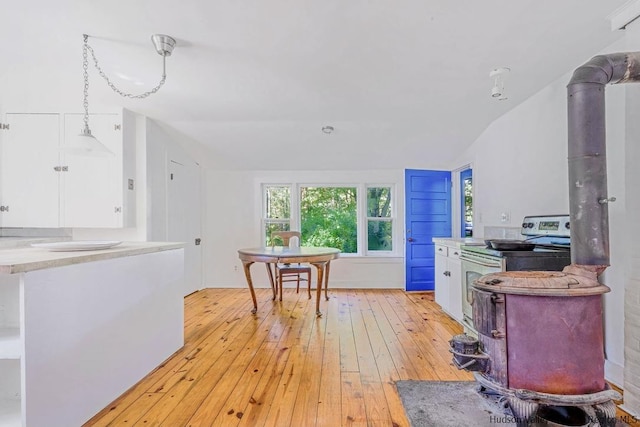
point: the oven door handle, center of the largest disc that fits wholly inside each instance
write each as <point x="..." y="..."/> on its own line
<point x="476" y="261"/>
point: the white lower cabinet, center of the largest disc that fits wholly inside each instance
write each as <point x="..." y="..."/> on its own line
<point x="74" y="338"/>
<point x="10" y="352"/>
<point x="41" y="186"/>
<point x="448" y="286"/>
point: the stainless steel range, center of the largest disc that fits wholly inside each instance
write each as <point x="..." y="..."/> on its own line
<point x="545" y="246"/>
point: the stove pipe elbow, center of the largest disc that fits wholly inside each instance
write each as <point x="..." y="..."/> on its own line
<point x="587" y="153"/>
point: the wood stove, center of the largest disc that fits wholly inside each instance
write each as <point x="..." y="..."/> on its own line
<point x="540" y="342"/>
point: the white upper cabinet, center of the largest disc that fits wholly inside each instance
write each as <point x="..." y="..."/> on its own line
<point x="29" y="194"/>
<point x="92" y="186"/>
<point x="44" y="186"/>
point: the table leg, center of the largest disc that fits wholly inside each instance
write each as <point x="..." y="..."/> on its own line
<point x="247" y="265"/>
<point x="326" y="280"/>
<point x="320" y="266"/>
<point x="270" y="274"/>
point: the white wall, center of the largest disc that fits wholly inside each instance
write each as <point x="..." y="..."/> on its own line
<point x="233" y="208"/>
<point x="632" y="246"/>
<point x="520" y="168"/>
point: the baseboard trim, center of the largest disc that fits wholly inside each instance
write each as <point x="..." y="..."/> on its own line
<point x="614" y="373"/>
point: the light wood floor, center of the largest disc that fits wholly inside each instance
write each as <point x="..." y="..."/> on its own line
<point x="286" y="367"/>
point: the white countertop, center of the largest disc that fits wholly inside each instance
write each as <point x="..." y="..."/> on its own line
<point x="16" y="242"/>
<point x="456" y="242"/>
<point x="24" y="259"/>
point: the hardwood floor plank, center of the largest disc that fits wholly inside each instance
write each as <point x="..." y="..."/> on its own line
<point x="306" y="406"/>
<point x="375" y="401"/>
<point x="236" y="400"/>
<point x="330" y="400"/>
<point x="281" y="411"/>
<point x="354" y="413"/>
<point x="387" y="336"/>
<point x="257" y="329"/>
<point x="348" y="353"/>
<point x="424" y="368"/>
<point x="431" y="342"/>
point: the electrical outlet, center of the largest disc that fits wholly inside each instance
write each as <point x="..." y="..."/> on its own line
<point x="235" y="268"/>
<point x="505" y="217"/>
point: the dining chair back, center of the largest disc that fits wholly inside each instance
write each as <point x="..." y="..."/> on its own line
<point x="290" y="272"/>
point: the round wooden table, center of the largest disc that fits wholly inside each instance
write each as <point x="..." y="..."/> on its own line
<point x="320" y="257"/>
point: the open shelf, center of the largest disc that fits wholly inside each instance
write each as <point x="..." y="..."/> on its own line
<point x="10" y="344"/>
<point x="10" y="413"/>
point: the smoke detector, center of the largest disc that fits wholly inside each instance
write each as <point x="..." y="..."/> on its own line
<point x="498" y="75"/>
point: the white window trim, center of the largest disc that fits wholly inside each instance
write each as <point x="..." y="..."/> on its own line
<point x="361" y="211"/>
<point x="393" y="218"/>
<point x="263" y="209"/>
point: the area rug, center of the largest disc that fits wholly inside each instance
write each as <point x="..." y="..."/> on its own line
<point x="457" y="403"/>
<point x="450" y="404"/>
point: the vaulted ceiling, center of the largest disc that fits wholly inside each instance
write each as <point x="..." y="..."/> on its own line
<point x="404" y="83"/>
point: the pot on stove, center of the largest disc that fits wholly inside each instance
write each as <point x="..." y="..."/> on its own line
<point x="510" y="245"/>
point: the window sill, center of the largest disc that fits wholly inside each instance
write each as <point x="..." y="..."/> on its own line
<point x="372" y="259"/>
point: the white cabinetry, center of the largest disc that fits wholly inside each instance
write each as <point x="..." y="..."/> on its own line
<point x="42" y="186"/>
<point x="10" y="352"/>
<point x="448" y="292"/>
<point x="71" y="342"/>
<point x="30" y="152"/>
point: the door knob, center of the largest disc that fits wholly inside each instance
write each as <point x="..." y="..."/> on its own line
<point x="410" y="239"/>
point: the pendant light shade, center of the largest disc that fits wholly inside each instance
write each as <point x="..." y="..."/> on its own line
<point x="85" y="144"/>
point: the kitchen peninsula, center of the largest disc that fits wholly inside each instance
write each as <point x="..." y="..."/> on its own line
<point x="77" y="329"/>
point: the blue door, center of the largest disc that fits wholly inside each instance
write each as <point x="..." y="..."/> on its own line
<point x="428" y="215"/>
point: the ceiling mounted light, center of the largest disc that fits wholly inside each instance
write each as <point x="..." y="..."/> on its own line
<point x="327" y="129"/>
<point x="498" y="75"/>
<point x="86" y="143"/>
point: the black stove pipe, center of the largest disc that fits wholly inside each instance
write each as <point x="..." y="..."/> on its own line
<point x="588" y="197"/>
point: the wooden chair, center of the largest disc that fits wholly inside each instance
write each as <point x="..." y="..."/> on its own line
<point x="291" y="272"/>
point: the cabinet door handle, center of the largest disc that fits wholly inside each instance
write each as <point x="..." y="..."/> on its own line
<point x="410" y="239"/>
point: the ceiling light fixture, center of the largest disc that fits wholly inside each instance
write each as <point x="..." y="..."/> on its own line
<point x="327" y="129"/>
<point x="86" y="143"/>
<point x="498" y="75"/>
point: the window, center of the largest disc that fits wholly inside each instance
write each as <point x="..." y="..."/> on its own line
<point x="379" y="220"/>
<point x="357" y="219"/>
<point x="328" y="217"/>
<point x="277" y="210"/>
<point x="466" y="202"/>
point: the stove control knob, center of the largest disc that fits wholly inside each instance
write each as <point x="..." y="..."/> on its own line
<point x="530" y="225"/>
<point x="524" y="225"/>
<point x="567" y="225"/>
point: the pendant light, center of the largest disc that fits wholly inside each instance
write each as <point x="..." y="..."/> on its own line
<point x="86" y="143"/>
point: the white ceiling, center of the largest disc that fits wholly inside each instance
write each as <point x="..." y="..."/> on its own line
<point x="405" y="83"/>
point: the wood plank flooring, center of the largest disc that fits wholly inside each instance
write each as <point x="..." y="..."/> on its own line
<point x="286" y="367"/>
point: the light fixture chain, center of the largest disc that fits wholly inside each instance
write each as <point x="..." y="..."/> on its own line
<point x="113" y="87"/>
<point x="85" y="70"/>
